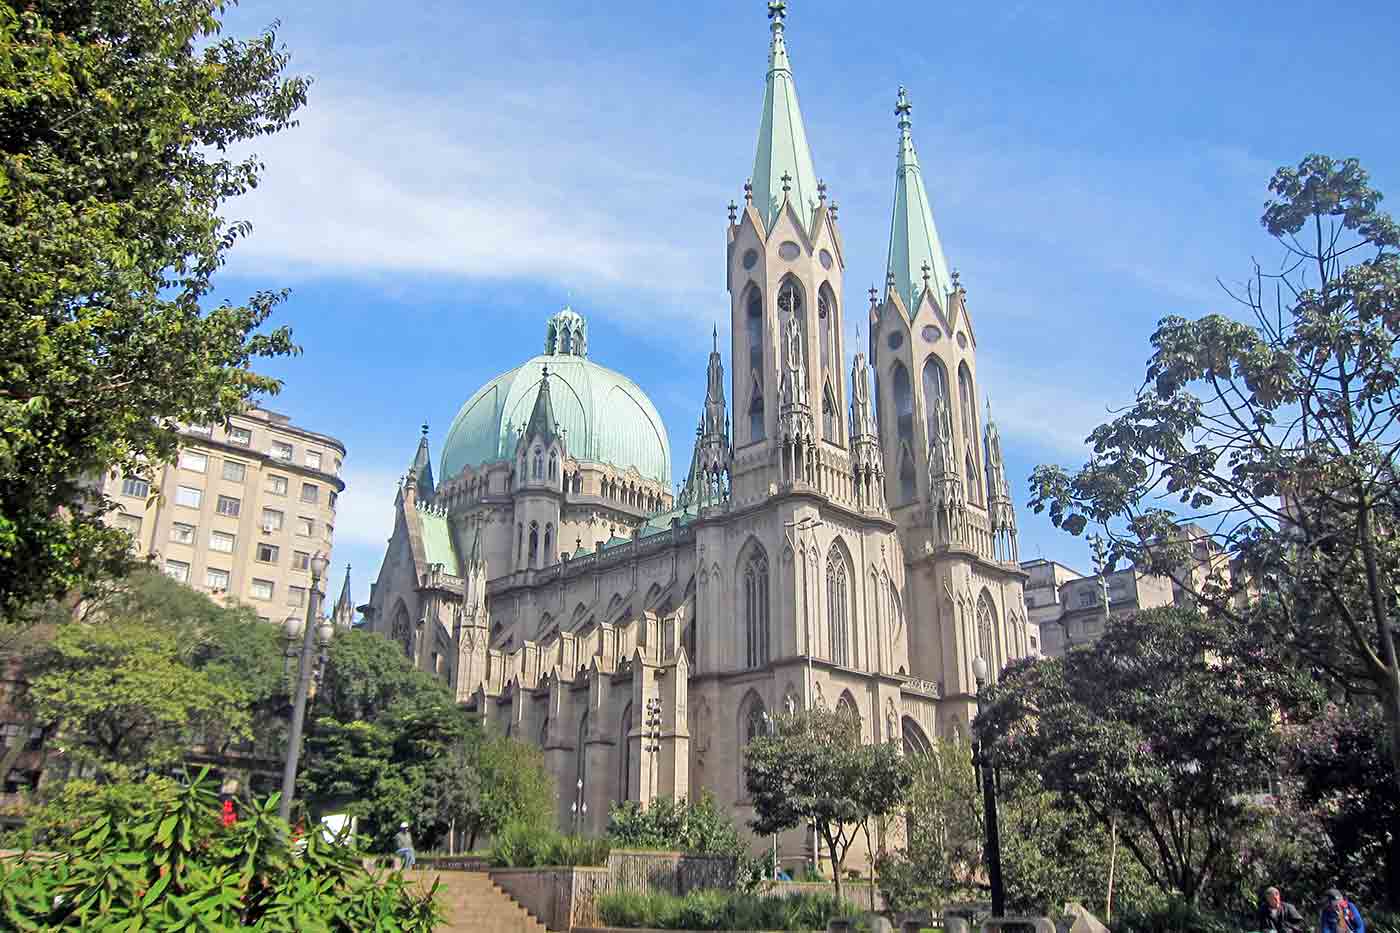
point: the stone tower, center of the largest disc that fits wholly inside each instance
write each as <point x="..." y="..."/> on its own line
<point x="944" y="478"/>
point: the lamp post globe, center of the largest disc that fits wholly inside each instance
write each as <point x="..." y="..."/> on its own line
<point x="319" y="563"/>
<point x="979" y="671"/>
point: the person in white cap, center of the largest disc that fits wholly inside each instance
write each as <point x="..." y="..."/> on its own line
<point x="404" y="843"/>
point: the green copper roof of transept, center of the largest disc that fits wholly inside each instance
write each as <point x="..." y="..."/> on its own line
<point x="914" y="239"/>
<point x="782" y="137"/>
<point x="437" y="539"/>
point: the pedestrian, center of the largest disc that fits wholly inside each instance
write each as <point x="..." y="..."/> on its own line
<point x="403" y="843"/>
<point x="1276" y="914"/>
<point x="1340" y="915"/>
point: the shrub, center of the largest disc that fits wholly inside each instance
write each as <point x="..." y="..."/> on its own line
<point x="720" y="910"/>
<point x="696" y="826"/>
<point x="1176" y="916"/>
<point x="157" y="858"/>
<point x="521" y="845"/>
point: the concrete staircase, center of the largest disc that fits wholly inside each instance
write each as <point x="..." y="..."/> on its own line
<point x="474" y="904"/>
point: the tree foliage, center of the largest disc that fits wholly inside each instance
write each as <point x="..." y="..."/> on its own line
<point x="1280" y="433"/>
<point x="814" y="769"/>
<point x="512" y="787"/>
<point x="155" y="856"/>
<point x="698" y="826"/>
<point x="1160" y="729"/>
<point x="115" y="123"/>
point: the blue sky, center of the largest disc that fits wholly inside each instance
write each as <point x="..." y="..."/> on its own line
<point x="464" y="168"/>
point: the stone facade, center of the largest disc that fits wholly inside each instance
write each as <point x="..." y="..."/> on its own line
<point x="834" y="544"/>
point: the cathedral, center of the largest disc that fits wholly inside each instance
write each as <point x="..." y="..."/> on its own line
<point x="842" y="538"/>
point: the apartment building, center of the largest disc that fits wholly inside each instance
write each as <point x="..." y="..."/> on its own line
<point x="240" y="512"/>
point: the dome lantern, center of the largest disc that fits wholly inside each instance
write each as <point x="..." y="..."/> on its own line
<point x="566" y="334"/>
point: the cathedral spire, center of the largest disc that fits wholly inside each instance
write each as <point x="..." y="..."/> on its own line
<point x="421" y="470"/>
<point x="542" y="425"/>
<point x="782" y="167"/>
<point x="344" y="613"/>
<point x="913" y="237"/>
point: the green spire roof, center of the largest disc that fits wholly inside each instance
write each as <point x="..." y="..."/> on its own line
<point x="422" y="467"/>
<point x="542" y="423"/>
<point x="782" y="137"/>
<point x="913" y="237"/>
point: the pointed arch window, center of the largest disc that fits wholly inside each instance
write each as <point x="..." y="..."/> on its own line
<point x="838" y="605"/>
<point x="756" y="610"/>
<point x="624" y="791"/>
<point x="534" y="544"/>
<point x="553" y="464"/>
<point x="755" y="720"/>
<point x="831" y="431"/>
<point x="935" y="381"/>
<point x="904" y="430"/>
<point x="846" y="708"/>
<point x="548" y="544"/>
<point x="753" y="330"/>
<point x="986" y="632"/>
<point x="538" y="463"/>
<point x="581" y="766"/>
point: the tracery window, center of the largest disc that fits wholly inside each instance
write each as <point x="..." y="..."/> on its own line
<point x="986" y="633"/>
<point x="756" y="721"/>
<point x="904" y="432"/>
<point x="553" y="464"/>
<point x="538" y="471"/>
<point x="753" y="327"/>
<point x="548" y="545"/>
<point x="837" y="602"/>
<point x="935" y="391"/>
<point x="756" y="610"/>
<point x="968" y="397"/>
<point x="534" y="544"/>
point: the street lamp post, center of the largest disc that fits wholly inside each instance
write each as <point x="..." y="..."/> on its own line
<point x="772" y="729"/>
<point x="578" y="809"/>
<point x="989" y="802"/>
<point x="309" y="630"/>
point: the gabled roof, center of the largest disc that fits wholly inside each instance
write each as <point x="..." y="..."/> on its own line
<point x="782" y="138"/>
<point x="914" y="241"/>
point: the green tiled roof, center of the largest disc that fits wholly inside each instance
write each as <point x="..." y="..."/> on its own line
<point x="913" y="237"/>
<point x="782" y="139"/>
<point x="605" y="417"/>
<point x="437" y="540"/>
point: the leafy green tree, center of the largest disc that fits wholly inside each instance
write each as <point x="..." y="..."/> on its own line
<point x="698" y="826"/>
<point x="811" y="770"/>
<point x="885" y="778"/>
<point x="1159" y="730"/>
<point x="1279" y="433"/>
<point x="155" y="856"/>
<point x="115" y="123"/>
<point x="513" y="787"/>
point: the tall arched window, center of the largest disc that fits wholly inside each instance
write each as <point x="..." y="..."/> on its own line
<point x="986" y="633"/>
<point x="755" y="720"/>
<point x="904" y="431"/>
<point x="837" y="605"/>
<point x="831" y="368"/>
<point x="519" y="542"/>
<point x="553" y="464"/>
<point x="915" y="741"/>
<point x="624" y="791"/>
<point x="753" y="328"/>
<point x="548" y="545"/>
<point x="967" y="396"/>
<point x="538" y="471"/>
<point x="756" y="609"/>
<point x="534" y="544"/>
<point x="935" y="383"/>
<point x="846" y="707"/>
<point x="581" y="766"/>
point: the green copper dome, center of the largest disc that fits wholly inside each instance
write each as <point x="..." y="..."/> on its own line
<point x="605" y="417"/>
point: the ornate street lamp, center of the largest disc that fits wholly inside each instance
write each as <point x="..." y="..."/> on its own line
<point x="578" y="809"/>
<point x="989" y="802"/>
<point x="308" y="631"/>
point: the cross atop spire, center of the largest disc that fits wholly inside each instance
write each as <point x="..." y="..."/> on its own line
<point x="902" y="109"/>
<point x="777" y="12"/>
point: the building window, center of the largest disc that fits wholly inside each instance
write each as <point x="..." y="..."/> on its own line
<point x="306" y="527"/>
<point x="313" y="459"/>
<point x="129" y="523"/>
<point x="534" y="544"/>
<point x="904" y="433"/>
<point x="310" y="493"/>
<point x="837" y="601"/>
<point x="756" y="610"/>
<point x="240" y="436"/>
<point x="194" y="461"/>
<point x="272" y="520"/>
<point x="986" y="633"/>
<point x="262" y="589"/>
<point x="277" y="485"/>
<point x="296" y="596"/>
<point x="337" y="466"/>
<point x="229" y="505"/>
<point x="331" y="499"/>
<point x="189" y="497"/>
<point x="177" y="570"/>
<point x="221" y="541"/>
<point x="301" y="560"/>
<point x="280" y="451"/>
<point x="537" y="470"/>
<point x="753" y="328"/>
<point x="330" y="531"/>
<point x="235" y="471"/>
<point x="267" y="553"/>
<point x="182" y="533"/>
<point x="203" y="430"/>
<point x="216" y="579"/>
<point x="136" y="487"/>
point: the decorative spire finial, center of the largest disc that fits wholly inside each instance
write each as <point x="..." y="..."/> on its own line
<point x="873" y="293"/>
<point x="733" y="211"/>
<point x="787" y="182"/>
<point x="902" y="109"/>
<point x="834" y="208"/>
<point x="714" y="336"/>
<point x="777" y="12"/>
<point x="925" y="268"/>
<point x="748" y="191"/>
<point x="425" y="427"/>
<point x="889" y="279"/>
<point x="957" y="280"/>
<point x="821" y="191"/>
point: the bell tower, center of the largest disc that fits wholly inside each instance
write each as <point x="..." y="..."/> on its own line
<point x="785" y="279"/>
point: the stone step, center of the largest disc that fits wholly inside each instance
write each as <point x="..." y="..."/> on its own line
<point x="474" y="904"/>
